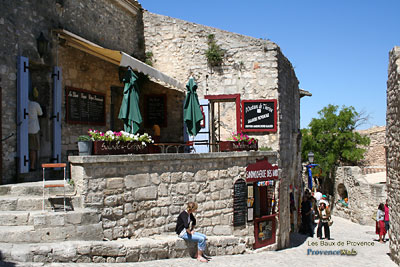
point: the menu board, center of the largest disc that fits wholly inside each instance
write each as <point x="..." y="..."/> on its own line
<point x="85" y="107"/>
<point x="259" y="115"/>
<point x="155" y="110"/>
<point x="239" y="203"/>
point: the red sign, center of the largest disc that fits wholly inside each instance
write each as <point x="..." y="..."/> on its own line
<point x="261" y="170"/>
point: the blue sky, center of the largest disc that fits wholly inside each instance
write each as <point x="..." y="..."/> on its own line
<point x="339" y="49"/>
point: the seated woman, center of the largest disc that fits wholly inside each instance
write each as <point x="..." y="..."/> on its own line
<point x="186" y="232"/>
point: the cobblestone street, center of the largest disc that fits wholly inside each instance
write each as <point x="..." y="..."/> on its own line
<point x="345" y="235"/>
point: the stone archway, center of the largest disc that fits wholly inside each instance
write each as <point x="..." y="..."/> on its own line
<point x="343" y="195"/>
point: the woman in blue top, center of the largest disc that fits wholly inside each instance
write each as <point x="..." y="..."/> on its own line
<point x="184" y="228"/>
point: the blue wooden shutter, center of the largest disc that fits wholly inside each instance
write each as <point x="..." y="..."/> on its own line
<point x="56" y="116"/>
<point x="22" y="114"/>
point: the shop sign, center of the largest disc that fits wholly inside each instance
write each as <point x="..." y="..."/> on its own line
<point x="259" y="115"/>
<point x="261" y="170"/>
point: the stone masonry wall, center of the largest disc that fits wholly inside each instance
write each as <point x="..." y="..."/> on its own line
<point x="250" y="67"/>
<point x="253" y="68"/>
<point x="393" y="150"/>
<point x="142" y="195"/>
<point x="289" y="141"/>
<point x="375" y="154"/>
<point x="104" y="22"/>
<point x="363" y="197"/>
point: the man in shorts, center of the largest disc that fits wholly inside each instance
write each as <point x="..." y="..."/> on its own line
<point x="33" y="130"/>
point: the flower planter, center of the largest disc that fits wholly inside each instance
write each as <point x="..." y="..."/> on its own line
<point x="226" y="146"/>
<point x="118" y="147"/>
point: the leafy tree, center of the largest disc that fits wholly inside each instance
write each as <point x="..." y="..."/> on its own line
<point x="332" y="139"/>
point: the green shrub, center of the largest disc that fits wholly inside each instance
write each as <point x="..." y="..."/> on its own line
<point x="215" y="54"/>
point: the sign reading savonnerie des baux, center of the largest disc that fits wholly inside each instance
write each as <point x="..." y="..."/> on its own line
<point x="259" y="115"/>
<point x="262" y="170"/>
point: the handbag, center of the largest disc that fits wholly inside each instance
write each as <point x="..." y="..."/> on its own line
<point x="330" y="222"/>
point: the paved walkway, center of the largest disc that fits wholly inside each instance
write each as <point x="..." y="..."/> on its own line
<point x="345" y="235"/>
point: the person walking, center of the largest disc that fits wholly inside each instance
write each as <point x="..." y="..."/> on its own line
<point x="317" y="196"/>
<point x="324" y="215"/>
<point x="380" y="222"/>
<point x="306" y="214"/>
<point x="184" y="228"/>
<point x="386" y="219"/>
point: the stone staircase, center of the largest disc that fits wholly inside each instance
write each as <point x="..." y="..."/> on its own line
<point x="22" y="219"/>
<point x="29" y="234"/>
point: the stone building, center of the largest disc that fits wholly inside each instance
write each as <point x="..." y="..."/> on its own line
<point x="253" y="69"/>
<point x="90" y="44"/>
<point x="75" y="32"/>
<point x="393" y="154"/>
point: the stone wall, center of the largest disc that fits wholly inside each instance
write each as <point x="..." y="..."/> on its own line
<point x="393" y="150"/>
<point x="375" y="154"/>
<point x="104" y="22"/>
<point x="142" y="195"/>
<point x="289" y="141"/>
<point x="250" y="67"/>
<point x="253" y="68"/>
<point x="363" y="197"/>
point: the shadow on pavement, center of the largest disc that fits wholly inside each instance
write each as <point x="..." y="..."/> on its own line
<point x="297" y="239"/>
<point x="5" y="263"/>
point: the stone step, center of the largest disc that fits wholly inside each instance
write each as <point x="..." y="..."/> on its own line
<point x="34" y="189"/>
<point x="124" y="250"/>
<point x="33" y="234"/>
<point x="31" y="203"/>
<point x="43" y="219"/>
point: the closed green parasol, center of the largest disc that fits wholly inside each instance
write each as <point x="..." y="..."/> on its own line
<point x="129" y="111"/>
<point x="192" y="114"/>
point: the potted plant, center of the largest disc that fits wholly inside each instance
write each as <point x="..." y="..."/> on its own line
<point x="112" y="143"/>
<point x="84" y="145"/>
<point x="240" y="142"/>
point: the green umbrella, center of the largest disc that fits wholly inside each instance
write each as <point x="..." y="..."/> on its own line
<point x="192" y="114"/>
<point x="129" y="111"/>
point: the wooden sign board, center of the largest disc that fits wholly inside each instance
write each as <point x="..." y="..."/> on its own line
<point x="262" y="170"/>
<point x="85" y="107"/>
<point x="259" y="115"/>
<point x="239" y="202"/>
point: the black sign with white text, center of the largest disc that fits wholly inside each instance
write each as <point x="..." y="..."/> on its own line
<point x="85" y="107"/>
<point x="258" y="115"/>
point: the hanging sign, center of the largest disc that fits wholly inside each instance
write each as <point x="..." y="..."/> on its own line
<point x="262" y="170"/>
<point x="259" y="115"/>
